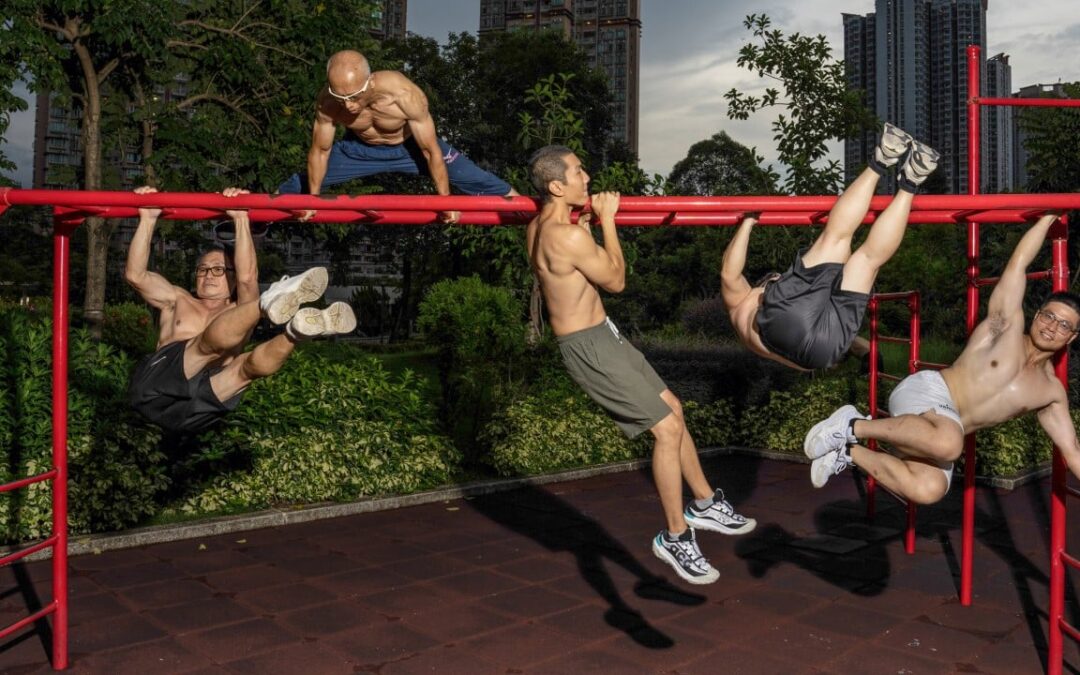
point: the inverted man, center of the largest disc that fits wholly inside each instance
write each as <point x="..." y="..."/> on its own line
<point x="570" y="267"/>
<point x="808" y="316"/>
<point x="388" y="129"/>
<point x="1002" y="373"/>
<point x="200" y="368"/>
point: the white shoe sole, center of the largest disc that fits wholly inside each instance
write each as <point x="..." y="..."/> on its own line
<point x="703" y="524"/>
<point x="337" y="319"/>
<point x="818" y="475"/>
<point x="309" y="287"/>
<point x="662" y="554"/>
<point x="815" y="431"/>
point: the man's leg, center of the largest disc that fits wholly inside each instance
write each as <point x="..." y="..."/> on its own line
<point x="266" y="359"/>
<point x="689" y="462"/>
<point x="667" y="469"/>
<point x="834" y="243"/>
<point x="912" y="479"/>
<point x="884" y="239"/>
<point x="226" y="334"/>
<point x="926" y="436"/>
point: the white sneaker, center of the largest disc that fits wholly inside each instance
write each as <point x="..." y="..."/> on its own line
<point x="719" y="517"/>
<point x="685" y="557"/>
<point x="832" y="433"/>
<point x="825" y="467"/>
<point x="920" y="163"/>
<point x="284" y="297"/>
<point x="892" y="144"/>
<point x="309" y="322"/>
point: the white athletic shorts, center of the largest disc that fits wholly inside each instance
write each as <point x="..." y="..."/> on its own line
<point x="925" y="391"/>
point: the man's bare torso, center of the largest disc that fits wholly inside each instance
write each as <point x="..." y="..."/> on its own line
<point x="992" y="381"/>
<point x="573" y="303"/>
<point x="188" y="317"/>
<point x="381" y="121"/>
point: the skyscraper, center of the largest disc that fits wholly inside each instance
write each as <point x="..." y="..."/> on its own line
<point x="388" y="21"/>
<point x="919" y="57"/>
<point x="609" y="31"/>
<point x="998" y="174"/>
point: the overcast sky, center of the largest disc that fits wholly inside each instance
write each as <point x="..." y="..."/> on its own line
<point x="688" y="53"/>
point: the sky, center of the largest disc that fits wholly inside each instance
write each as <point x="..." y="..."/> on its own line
<point x="688" y="54"/>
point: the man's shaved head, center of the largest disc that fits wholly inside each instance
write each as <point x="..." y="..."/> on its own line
<point x="346" y="71"/>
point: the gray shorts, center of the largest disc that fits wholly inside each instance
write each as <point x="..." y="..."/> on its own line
<point x="922" y="392"/>
<point x="615" y="375"/>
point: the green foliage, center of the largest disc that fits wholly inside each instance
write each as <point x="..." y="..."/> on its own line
<point x="781" y="423"/>
<point x="115" y="468"/>
<point x="721" y="166"/>
<point x="553" y="122"/>
<point x="1052" y="140"/>
<point x="480" y="335"/>
<point x="1012" y="447"/>
<point x="814" y="92"/>
<point x="129" y="327"/>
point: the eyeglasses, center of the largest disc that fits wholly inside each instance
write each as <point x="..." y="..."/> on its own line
<point x="216" y="271"/>
<point x="353" y="97"/>
<point x="1050" y="318"/>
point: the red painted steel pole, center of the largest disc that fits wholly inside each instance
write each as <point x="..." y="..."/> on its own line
<point x="61" y="267"/>
<point x="914" y="329"/>
<point x="871" y="484"/>
<point x="1058" y="490"/>
<point x="967" y="530"/>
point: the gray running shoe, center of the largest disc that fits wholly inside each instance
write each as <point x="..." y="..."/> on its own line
<point x="309" y="322"/>
<point x="832" y="433"/>
<point x="284" y="297"/>
<point x="719" y="517"/>
<point x="920" y="163"/>
<point x="685" y="557"/>
<point x="825" y="467"/>
<point x="892" y="144"/>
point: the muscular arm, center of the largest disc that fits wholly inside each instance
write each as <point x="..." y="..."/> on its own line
<point x="151" y="286"/>
<point x="322" y="140"/>
<point x="603" y="266"/>
<point x="247" y="268"/>
<point x="1008" y="296"/>
<point x="415" y="106"/>
<point x="733" y="284"/>
<point x="1057" y="423"/>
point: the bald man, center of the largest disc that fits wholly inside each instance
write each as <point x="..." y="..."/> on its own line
<point x="388" y="128"/>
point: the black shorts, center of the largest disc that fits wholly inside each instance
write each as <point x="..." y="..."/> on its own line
<point x="806" y="318"/>
<point x="160" y="393"/>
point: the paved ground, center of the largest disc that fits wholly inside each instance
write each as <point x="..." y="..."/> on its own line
<point x="560" y="579"/>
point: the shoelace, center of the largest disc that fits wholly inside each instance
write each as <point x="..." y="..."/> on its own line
<point x="691" y="552"/>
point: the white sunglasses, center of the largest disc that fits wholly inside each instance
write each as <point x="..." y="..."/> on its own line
<point x="346" y="98"/>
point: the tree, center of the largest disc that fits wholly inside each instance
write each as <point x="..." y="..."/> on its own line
<point x="220" y="90"/>
<point x="1052" y="139"/>
<point x="721" y="166"/>
<point x="820" y="106"/>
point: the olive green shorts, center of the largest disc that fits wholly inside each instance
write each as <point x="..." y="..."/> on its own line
<point x="615" y="375"/>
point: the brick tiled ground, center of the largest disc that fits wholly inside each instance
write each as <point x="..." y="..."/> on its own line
<point x="561" y="579"/>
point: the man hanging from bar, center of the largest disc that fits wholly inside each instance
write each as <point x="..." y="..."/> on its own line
<point x="1003" y="372"/>
<point x="388" y="128"/>
<point x="571" y="269"/>
<point x="200" y="368"/>
<point x="808" y="317"/>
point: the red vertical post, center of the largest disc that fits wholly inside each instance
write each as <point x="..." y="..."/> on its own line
<point x="967" y="530"/>
<point x="871" y="484"/>
<point x="913" y="364"/>
<point x="61" y="278"/>
<point x="1058" y="491"/>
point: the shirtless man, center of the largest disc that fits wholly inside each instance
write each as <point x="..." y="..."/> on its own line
<point x="807" y="317"/>
<point x="570" y="266"/>
<point x="200" y="368"/>
<point x="1002" y="373"/>
<point x="388" y="129"/>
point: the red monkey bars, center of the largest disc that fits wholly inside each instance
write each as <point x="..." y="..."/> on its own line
<point x="71" y="207"/>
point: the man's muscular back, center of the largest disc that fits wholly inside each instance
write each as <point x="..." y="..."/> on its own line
<point x="381" y="120"/>
<point x="573" y="302"/>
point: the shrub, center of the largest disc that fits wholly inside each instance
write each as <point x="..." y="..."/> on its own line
<point x="781" y="423"/>
<point x="130" y="327"/>
<point x="479" y="332"/>
<point x="708" y="318"/>
<point x="323" y="428"/>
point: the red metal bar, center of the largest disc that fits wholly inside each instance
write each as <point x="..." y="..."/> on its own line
<point x="15" y="485"/>
<point x="1035" y="102"/>
<point x="895" y="340"/>
<point x="29" y="550"/>
<point x="967" y="529"/>
<point x="915" y="328"/>
<point x="62" y="230"/>
<point x="1032" y="276"/>
<point x="871" y="483"/>
<point x="1059" y="490"/>
<point x="44" y="611"/>
<point x="923" y="365"/>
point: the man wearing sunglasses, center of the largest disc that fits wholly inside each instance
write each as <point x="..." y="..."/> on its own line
<point x="200" y="368"/>
<point x="1003" y="372"/>
<point x="388" y="128"/>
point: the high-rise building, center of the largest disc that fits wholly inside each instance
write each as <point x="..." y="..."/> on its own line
<point x="388" y="20"/>
<point x="998" y="175"/>
<point x="609" y="31"/>
<point x="919" y="57"/>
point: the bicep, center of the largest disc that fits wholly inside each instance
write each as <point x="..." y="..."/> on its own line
<point x="588" y="258"/>
<point x="322" y="132"/>
<point x="1058" y="424"/>
<point x="155" y="290"/>
<point x="734" y="290"/>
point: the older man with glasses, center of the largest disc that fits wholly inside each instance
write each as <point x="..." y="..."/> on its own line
<point x="1003" y="372"/>
<point x="388" y="129"/>
<point x="200" y="368"/>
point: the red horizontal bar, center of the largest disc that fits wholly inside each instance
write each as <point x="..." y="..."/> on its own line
<point x="527" y="205"/>
<point x="1069" y="630"/>
<point x="1073" y="492"/>
<point x="15" y="485"/>
<point x="899" y="295"/>
<point x="920" y="365"/>
<point x="44" y="611"/>
<point x="990" y="281"/>
<point x="892" y="378"/>
<point x="895" y="340"/>
<point x="1070" y="560"/>
<point x="29" y="550"/>
<point x="882" y="413"/>
<point x="1034" y="102"/>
